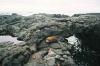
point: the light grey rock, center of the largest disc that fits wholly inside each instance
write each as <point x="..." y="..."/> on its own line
<point x="33" y="47"/>
<point x="51" y="62"/>
<point x="65" y="56"/>
<point x="62" y="59"/>
<point x="67" y="53"/>
<point x="58" y="51"/>
<point x="58" y="56"/>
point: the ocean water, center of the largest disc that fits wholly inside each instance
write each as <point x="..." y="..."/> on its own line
<point x="9" y="38"/>
<point x="73" y="40"/>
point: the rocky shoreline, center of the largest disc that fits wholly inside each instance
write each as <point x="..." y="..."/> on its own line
<point x="38" y="50"/>
<point x="52" y="55"/>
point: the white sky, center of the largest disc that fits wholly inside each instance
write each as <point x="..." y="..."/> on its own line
<point x="27" y="7"/>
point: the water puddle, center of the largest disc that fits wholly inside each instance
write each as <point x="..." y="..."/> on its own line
<point x="9" y="38"/>
<point x="73" y="40"/>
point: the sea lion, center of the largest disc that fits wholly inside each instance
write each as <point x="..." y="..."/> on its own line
<point x="51" y="39"/>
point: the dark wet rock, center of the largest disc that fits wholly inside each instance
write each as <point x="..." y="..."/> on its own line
<point x="90" y="45"/>
<point x="69" y="60"/>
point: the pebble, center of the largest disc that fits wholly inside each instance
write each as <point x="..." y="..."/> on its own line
<point x="66" y="52"/>
<point x="57" y="56"/>
<point x="65" y="56"/>
<point x="62" y="59"/>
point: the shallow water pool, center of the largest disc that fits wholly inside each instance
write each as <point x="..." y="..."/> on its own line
<point x="9" y="38"/>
